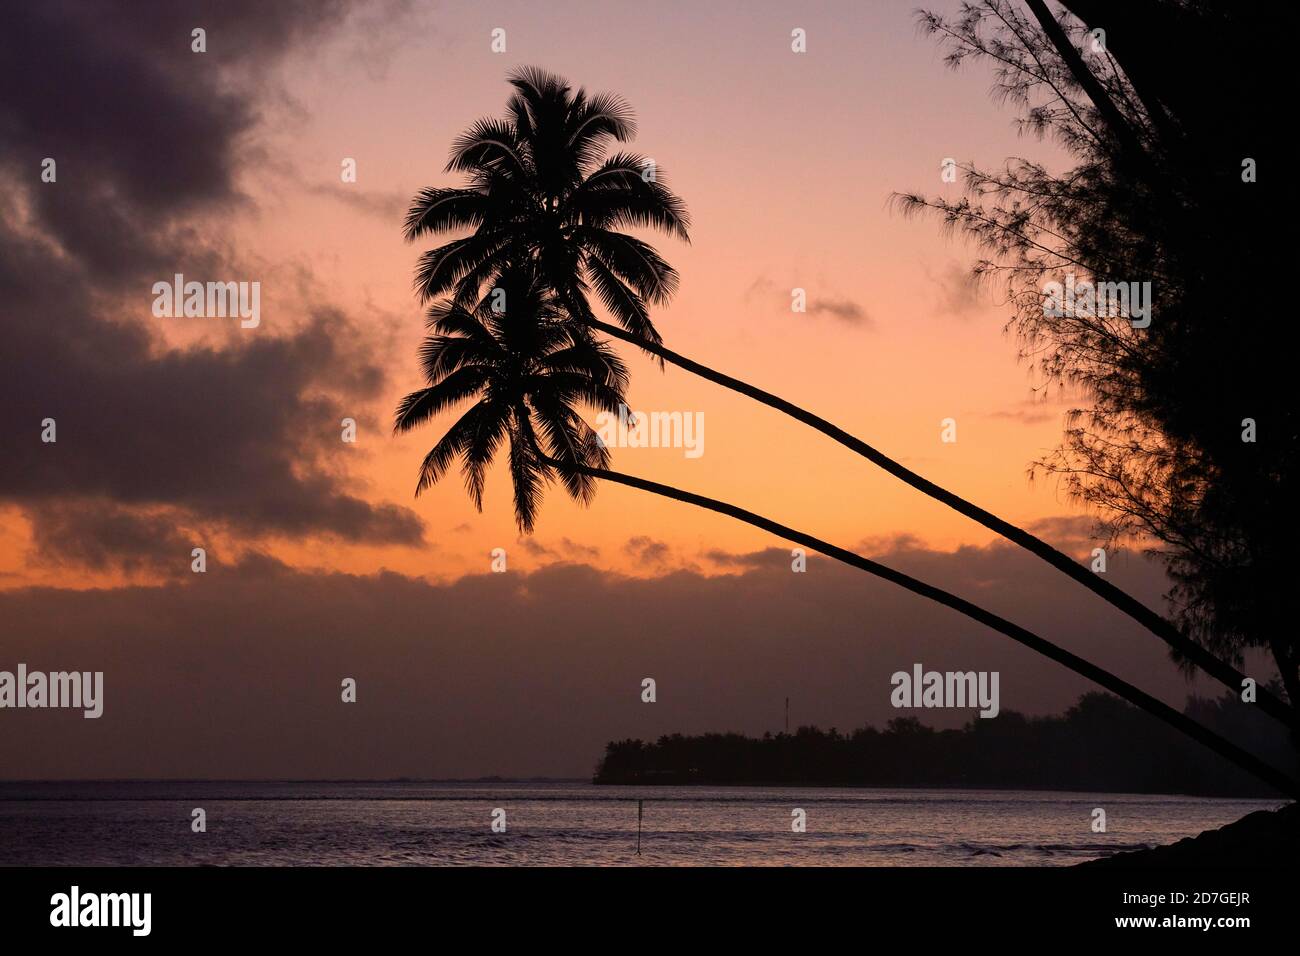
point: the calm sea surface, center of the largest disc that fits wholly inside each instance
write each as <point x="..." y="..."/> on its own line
<point x="391" y="824"/>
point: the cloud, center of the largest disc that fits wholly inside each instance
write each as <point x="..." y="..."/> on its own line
<point x="236" y="673"/>
<point x="1045" y="407"/>
<point x="768" y="557"/>
<point x="575" y="549"/>
<point x="1076" y="534"/>
<point x="837" y="307"/>
<point x="149" y="140"/>
<point x="101" y="535"/>
<point x="144" y="131"/>
<point x="959" y="291"/>
<point x="647" y="550"/>
<point x="565" y="550"/>
<point x="389" y="206"/>
<point x="534" y="547"/>
<point x="844" y="309"/>
<point x="1026" y="416"/>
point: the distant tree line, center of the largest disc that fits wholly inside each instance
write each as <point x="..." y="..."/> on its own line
<point x="1101" y="743"/>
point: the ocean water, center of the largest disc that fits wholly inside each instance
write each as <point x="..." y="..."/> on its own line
<point x="414" y="823"/>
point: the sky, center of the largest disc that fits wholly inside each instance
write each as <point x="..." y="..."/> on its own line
<point x="177" y="433"/>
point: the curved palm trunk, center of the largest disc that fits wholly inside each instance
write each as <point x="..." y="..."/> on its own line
<point x="1223" y="747"/>
<point x="1222" y="671"/>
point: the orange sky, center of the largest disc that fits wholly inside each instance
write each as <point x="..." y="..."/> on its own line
<point x="786" y="162"/>
<point x="183" y="432"/>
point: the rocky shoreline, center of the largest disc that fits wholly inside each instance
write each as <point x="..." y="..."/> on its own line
<point x="1263" y="839"/>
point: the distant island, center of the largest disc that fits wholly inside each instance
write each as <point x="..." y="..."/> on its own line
<point x="1099" y="744"/>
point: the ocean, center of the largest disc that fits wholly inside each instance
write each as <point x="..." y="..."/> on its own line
<point x="549" y="824"/>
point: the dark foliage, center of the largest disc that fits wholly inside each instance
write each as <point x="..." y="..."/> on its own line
<point x="1100" y="744"/>
<point x="1162" y="114"/>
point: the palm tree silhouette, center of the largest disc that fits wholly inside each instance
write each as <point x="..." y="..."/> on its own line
<point x="538" y="188"/>
<point x="530" y="373"/>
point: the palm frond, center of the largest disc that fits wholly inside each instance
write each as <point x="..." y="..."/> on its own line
<point x="618" y="193"/>
<point x="441" y="210"/>
<point x="489" y="144"/>
<point x="627" y="306"/>
<point x="632" y="260"/>
<point x="527" y="471"/>
<point x="419" y="406"/>
<point x="486" y="433"/>
<point x="440" y="269"/>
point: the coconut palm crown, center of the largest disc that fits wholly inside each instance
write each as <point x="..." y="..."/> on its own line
<point x="514" y="352"/>
<point x="542" y="187"/>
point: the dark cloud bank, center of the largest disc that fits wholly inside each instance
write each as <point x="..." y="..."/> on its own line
<point x="237" y="673"/>
<point x="149" y="139"/>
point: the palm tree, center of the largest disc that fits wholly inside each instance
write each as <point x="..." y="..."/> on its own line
<point x="538" y="188"/>
<point x="529" y="375"/>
